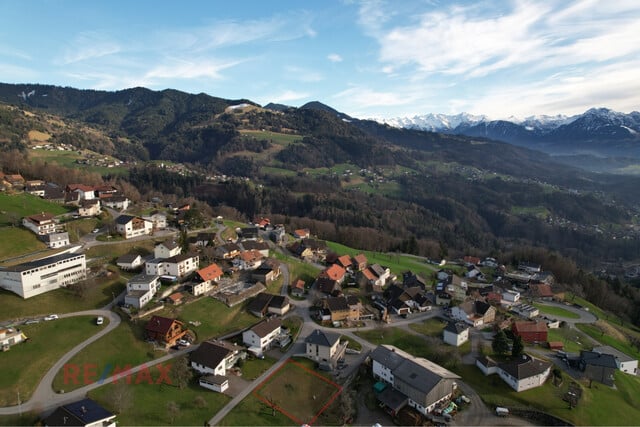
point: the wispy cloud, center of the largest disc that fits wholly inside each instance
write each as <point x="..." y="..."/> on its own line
<point x="189" y="69"/>
<point x="365" y="97"/>
<point x="90" y="45"/>
<point x="286" y="96"/>
<point x="334" y="57"/>
<point x="477" y="40"/>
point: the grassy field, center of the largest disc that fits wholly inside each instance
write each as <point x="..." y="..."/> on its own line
<point x="297" y="391"/>
<point x="147" y="403"/>
<point x="607" y="336"/>
<point x="573" y="339"/>
<point x="28" y="362"/>
<point x="16" y="206"/>
<point x="600" y="405"/>
<point x="111" y="252"/>
<point x="68" y="159"/>
<point x="396" y="262"/>
<point x="122" y="346"/>
<point x="430" y="327"/>
<point x="215" y="318"/>
<point x="253" y="367"/>
<point x="274" y="137"/>
<point x="59" y="301"/>
<point x="556" y="311"/>
<point x="298" y="269"/>
<point x="18" y="241"/>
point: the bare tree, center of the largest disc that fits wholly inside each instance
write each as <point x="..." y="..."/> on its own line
<point x="199" y="402"/>
<point x="173" y="410"/>
<point x="180" y="373"/>
<point x="120" y="396"/>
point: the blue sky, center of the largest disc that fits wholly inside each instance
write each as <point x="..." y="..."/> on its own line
<point x="365" y="58"/>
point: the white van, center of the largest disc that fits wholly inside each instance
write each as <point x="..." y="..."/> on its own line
<point x="502" y="412"/>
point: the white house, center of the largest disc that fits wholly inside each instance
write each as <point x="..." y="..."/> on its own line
<point x="89" y="207"/>
<point x="167" y="249"/>
<point x="456" y="333"/>
<point x="524" y="373"/>
<point x="626" y="364"/>
<point x="9" y="337"/>
<point x="37" y="277"/>
<point x="119" y="203"/>
<point x="129" y="261"/>
<point x="511" y="296"/>
<point x="41" y="224"/>
<point x="215" y="357"/>
<point x="178" y="265"/>
<point x="133" y="226"/>
<point x="248" y="260"/>
<point x="141" y="290"/>
<point x="414" y="381"/>
<point x="521" y="374"/>
<point x="261" y="336"/>
<point x="56" y="240"/>
<point x="158" y="219"/>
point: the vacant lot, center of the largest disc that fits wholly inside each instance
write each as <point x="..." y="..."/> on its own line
<point x="294" y="394"/>
<point x="29" y="361"/>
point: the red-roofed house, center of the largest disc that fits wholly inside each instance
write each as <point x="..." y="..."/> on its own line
<point x="175" y="298"/>
<point x="542" y="291"/>
<point x="344" y="261"/>
<point x="530" y="331"/>
<point x="360" y="262"/>
<point x="302" y="233"/>
<point x="248" y="260"/>
<point x="85" y="192"/>
<point x="207" y="277"/>
<point x="334" y="272"/>
<point x="40" y="224"/>
<point x="297" y="288"/>
<point x="471" y="260"/>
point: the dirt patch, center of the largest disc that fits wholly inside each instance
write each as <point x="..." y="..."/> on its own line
<point x="37" y="136"/>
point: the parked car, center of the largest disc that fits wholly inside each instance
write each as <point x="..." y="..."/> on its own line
<point x="99" y="320"/>
<point x="51" y="317"/>
<point x="184" y="343"/>
<point x="96" y="230"/>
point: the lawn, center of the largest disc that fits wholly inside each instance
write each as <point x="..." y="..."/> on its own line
<point x="216" y="319"/>
<point x="274" y="137"/>
<point x="111" y="252"/>
<point x="298" y="393"/>
<point x="122" y="346"/>
<point x="28" y="362"/>
<point x="600" y="405"/>
<point x="17" y="206"/>
<point x="397" y="263"/>
<point x="18" y="241"/>
<point x="431" y="327"/>
<point x="600" y="332"/>
<point x="147" y="404"/>
<point x="59" y="301"/>
<point x="253" y="367"/>
<point x="556" y="311"/>
<point x="573" y="339"/>
<point x="298" y="269"/>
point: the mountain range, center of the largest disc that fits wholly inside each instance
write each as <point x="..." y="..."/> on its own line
<point x="598" y="132"/>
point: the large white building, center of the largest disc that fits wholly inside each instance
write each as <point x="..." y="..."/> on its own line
<point x="37" y="277"/>
<point x="141" y="289"/>
<point x="178" y="265"/>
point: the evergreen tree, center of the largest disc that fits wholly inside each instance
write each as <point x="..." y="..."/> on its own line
<point x="500" y="344"/>
<point x="518" y="347"/>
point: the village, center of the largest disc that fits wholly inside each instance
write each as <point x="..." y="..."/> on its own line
<point x="504" y="321"/>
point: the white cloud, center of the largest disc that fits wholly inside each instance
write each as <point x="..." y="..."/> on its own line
<point x="90" y="45"/>
<point x="362" y="97"/>
<point x="189" y="69"/>
<point x="334" y="57"/>
<point x="286" y="96"/>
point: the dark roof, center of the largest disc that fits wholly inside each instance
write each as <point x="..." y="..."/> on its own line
<point x="41" y="262"/>
<point x="481" y="307"/>
<point x="159" y="324"/>
<point x="318" y="337"/>
<point x="598" y="359"/>
<point x="55" y="237"/>
<point x="456" y="327"/>
<point x="326" y="284"/>
<point x="124" y="219"/>
<point x="337" y="303"/>
<point x="252" y="244"/>
<point x="169" y="244"/>
<point x="393" y="399"/>
<point x="525" y="367"/>
<point x="210" y="354"/>
<point x="179" y="258"/>
<point x="267" y="326"/>
<point x="279" y="301"/>
<point x="607" y="349"/>
<point x="260" y="303"/>
<point x="127" y="258"/>
<point x="81" y="413"/>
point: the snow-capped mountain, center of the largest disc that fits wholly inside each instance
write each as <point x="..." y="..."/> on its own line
<point x="599" y="130"/>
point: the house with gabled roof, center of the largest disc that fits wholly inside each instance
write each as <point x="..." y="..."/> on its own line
<point x="84" y="192"/>
<point x="119" y="203"/>
<point x="133" y="226"/>
<point x="475" y="313"/>
<point x="522" y="373"/>
<point x="41" y="224"/>
<point x="89" y="208"/>
<point x="141" y="289"/>
<point x="56" y="240"/>
<point x="130" y="261"/>
<point x="456" y="333"/>
<point x="297" y="288"/>
<point x="302" y="233"/>
<point x="415" y="381"/>
<point x="625" y="363"/>
<point x="167" y="249"/>
<point x="324" y="348"/>
<point x="253" y="245"/>
<point x="343" y="308"/>
<point x="375" y="276"/>
<point x="261" y="336"/>
<point x="85" y="413"/>
<point x="164" y="330"/>
<point x="216" y="357"/>
<point x="360" y="262"/>
<point x="265" y="303"/>
<point x="205" y="238"/>
<point x="268" y="271"/>
<point x="227" y="251"/>
<point x="344" y="261"/>
<point x="530" y="331"/>
<point x="248" y="260"/>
